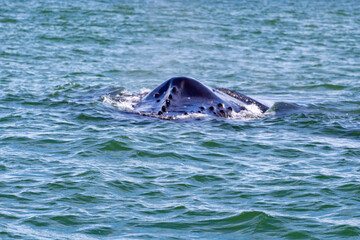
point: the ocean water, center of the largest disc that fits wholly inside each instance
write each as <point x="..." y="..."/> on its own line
<point x="73" y="166"/>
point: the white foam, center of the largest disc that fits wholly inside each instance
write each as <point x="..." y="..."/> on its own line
<point x="252" y="112"/>
<point x="253" y="108"/>
<point x="176" y="117"/>
<point x="192" y="115"/>
<point x="125" y="100"/>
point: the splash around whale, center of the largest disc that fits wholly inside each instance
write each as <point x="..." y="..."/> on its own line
<point x="183" y="97"/>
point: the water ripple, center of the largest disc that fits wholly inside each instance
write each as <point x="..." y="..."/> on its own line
<point x="74" y="167"/>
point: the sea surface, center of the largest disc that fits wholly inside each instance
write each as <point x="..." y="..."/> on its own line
<point x="73" y="166"/>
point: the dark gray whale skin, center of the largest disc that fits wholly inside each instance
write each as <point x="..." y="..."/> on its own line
<point x="182" y="95"/>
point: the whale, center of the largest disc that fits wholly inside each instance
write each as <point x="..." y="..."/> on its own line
<point x="184" y="96"/>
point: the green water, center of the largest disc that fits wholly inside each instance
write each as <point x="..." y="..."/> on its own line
<point x="75" y="167"/>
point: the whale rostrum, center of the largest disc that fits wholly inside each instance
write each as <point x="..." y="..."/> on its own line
<point x="182" y="95"/>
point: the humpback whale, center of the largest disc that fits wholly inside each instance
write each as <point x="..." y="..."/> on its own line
<point x="184" y="96"/>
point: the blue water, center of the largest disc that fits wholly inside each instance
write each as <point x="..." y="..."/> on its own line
<point x="73" y="166"/>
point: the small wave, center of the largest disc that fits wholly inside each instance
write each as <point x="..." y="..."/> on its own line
<point x="101" y="230"/>
<point x="203" y="178"/>
<point x="114" y="145"/>
<point x="322" y="86"/>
